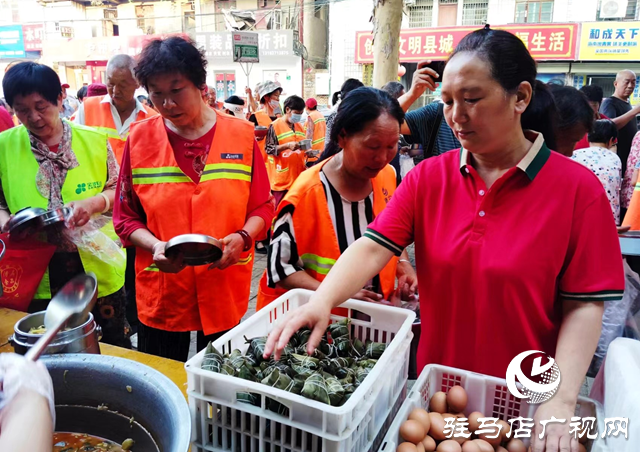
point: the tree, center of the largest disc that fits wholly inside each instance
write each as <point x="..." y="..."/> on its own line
<point x="387" y="19"/>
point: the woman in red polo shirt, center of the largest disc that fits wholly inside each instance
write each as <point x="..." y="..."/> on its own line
<point x="516" y="247"/>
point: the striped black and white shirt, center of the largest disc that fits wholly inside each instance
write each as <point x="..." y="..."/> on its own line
<point x="350" y="221"/>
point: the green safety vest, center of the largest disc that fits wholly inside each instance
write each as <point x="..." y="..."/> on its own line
<point x="18" y="169"/>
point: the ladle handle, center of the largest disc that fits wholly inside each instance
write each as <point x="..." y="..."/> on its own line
<point x="41" y="344"/>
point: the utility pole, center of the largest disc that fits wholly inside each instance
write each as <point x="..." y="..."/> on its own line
<point x="387" y="19"/>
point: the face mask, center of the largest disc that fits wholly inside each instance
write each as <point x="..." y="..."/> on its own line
<point x="275" y="103"/>
<point x="295" y="117"/>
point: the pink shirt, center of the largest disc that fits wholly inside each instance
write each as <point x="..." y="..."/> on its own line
<point x="495" y="264"/>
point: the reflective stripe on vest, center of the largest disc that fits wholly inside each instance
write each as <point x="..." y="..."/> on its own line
<point x="196" y="298"/>
<point x="316" y="240"/>
<point x="317" y="263"/>
<point x="18" y="169"/>
<point x="111" y="133"/>
<point x="173" y="174"/>
<point x="319" y="132"/>
<point x="287" y="166"/>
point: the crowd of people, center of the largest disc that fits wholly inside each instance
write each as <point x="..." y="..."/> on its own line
<point x="515" y="238"/>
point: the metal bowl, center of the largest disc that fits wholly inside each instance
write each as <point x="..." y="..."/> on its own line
<point x="196" y="249"/>
<point x="55" y="216"/>
<point x="81" y="339"/>
<point x="25" y="222"/>
<point x="305" y="145"/>
<point x="154" y="413"/>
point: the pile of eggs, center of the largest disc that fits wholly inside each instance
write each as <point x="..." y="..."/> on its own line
<point x="424" y="431"/>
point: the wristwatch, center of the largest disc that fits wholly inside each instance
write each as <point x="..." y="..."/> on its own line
<point x="248" y="241"/>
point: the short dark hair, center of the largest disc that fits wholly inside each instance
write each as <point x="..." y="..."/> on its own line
<point x="393" y="88"/>
<point x="603" y="130"/>
<point x="359" y="108"/>
<point x="573" y="107"/>
<point x="349" y="85"/>
<point x="235" y="100"/>
<point x="27" y="78"/>
<point x="82" y="92"/>
<point x="294" y="103"/>
<point x="174" y="54"/>
<point x="593" y="92"/>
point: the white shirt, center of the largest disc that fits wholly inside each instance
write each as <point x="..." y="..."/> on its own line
<point x="606" y="165"/>
<point x="122" y="128"/>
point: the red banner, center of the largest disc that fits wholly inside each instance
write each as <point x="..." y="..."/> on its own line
<point x="544" y="41"/>
<point x="33" y="36"/>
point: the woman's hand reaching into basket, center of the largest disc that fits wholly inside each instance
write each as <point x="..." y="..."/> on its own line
<point x="315" y="315"/>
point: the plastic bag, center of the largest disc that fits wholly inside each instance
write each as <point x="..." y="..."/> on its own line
<point x="406" y="165"/>
<point x="618" y="320"/>
<point x="91" y="239"/>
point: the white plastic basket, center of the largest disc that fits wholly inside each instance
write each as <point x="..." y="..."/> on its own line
<point x="486" y="394"/>
<point x="221" y="423"/>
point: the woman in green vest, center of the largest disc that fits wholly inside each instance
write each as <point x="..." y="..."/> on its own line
<point x="48" y="162"/>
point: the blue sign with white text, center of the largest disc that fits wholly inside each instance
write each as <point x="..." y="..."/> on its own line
<point x="11" y="42"/>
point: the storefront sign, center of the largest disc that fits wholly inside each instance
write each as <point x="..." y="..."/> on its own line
<point x="95" y="49"/>
<point x="245" y="47"/>
<point x="11" y="42"/>
<point x="545" y="42"/>
<point x="33" y="36"/>
<point x="271" y="43"/>
<point x="610" y="41"/>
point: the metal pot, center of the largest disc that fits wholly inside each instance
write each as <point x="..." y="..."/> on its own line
<point x="130" y="390"/>
<point x="82" y="339"/>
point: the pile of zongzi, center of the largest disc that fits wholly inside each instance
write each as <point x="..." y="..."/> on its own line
<point x="336" y="368"/>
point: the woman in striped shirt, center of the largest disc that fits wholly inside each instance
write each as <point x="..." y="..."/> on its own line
<point x="330" y="205"/>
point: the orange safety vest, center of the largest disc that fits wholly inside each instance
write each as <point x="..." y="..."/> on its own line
<point x="632" y="217"/>
<point x="98" y="115"/>
<point x="286" y="167"/>
<point x="319" y="132"/>
<point x="315" y="234"/>
<point x="196" y="298"/>
<point x="264" y="120"/>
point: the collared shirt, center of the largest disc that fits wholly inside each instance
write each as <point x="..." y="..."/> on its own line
<point x="122" y="128"/>
<point x="606" y="165"/>
<point x="495" y="264"/>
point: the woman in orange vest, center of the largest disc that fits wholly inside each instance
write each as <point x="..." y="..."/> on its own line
<point x="330" y="205"/>
<point x="189" y="170"/>
<point x="316" y="131"/>
<point x="283" y="148"/>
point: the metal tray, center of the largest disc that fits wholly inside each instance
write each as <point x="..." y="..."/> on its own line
<point x="196" y="249"/>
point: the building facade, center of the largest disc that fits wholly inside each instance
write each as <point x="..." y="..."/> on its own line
<point x="77" y="38"/>
<point x="574" y="41"/>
